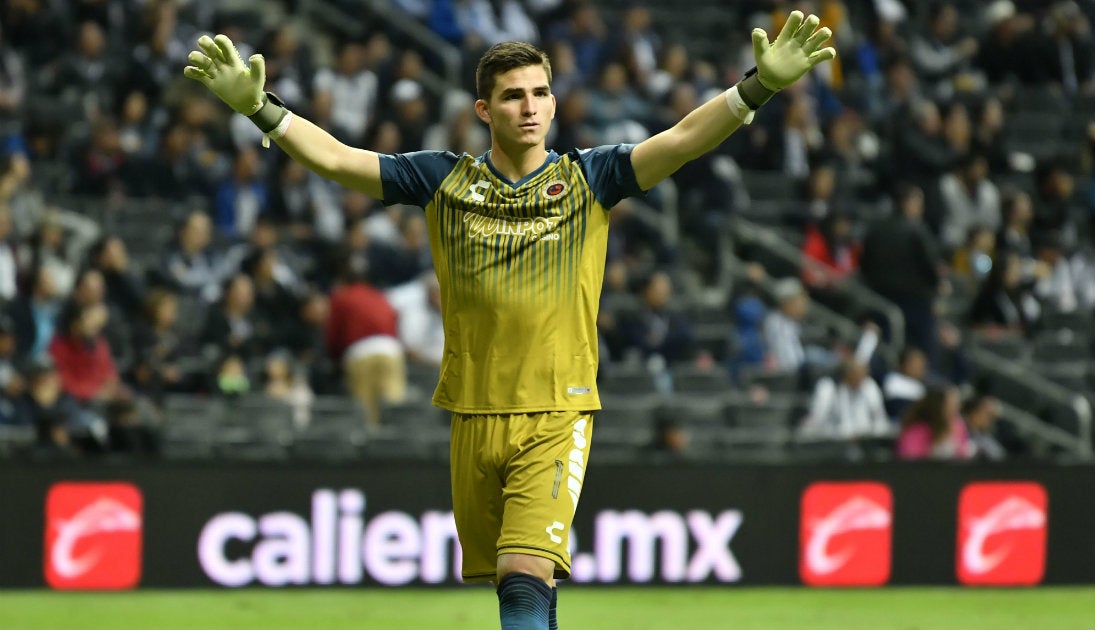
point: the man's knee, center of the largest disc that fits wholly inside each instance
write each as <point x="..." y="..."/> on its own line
<point x="531" y="565"/>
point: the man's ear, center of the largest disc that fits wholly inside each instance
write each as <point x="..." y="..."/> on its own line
<point x="553" y="107"/>
<point x="482" y="110"/>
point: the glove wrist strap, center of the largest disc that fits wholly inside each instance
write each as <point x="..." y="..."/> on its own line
<point x="752" y="91"/>
<point x="270" y="113"/>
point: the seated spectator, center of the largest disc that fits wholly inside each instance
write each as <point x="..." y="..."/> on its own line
<point x="418" y="304"/>
<point x="932" y="428"/>
<point x="848" y="408"/>
<point x="1004" y="304"/>
<point x="83" y="357"/>
<point x="241" y="196"/>
<point x="159" y="348"/>
<point x="230" y="326"/>
<point x="830" y="257"/>
<point x="124" y="290"/>
<point x="192" y="265"/>
<point x="285" y="381"/>
<point x="671" y="441"/>
<point x="1057" y="288"/>
<point x="660" y="332"/>
<point x="12" y="381"/>
<point x="980" y="412"/>
<point x="35" y="314"/>
<point x="973" y="260"/>
<point x="901" y="388"/>
<point x="63" y="427"/>
<point x="969" y="198"/>
<point x="783" y="331"/>
<point x="231" y="376"/>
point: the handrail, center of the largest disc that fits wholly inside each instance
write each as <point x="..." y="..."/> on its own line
<point x="1048" y="433"/>
<point x="393" y="19"/>
<point x="1051" y="392"/>
<point x="863" y="295"/>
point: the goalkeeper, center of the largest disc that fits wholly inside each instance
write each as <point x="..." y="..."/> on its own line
<point x="519" y="238"/>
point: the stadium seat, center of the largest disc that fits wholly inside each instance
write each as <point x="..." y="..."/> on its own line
<point x="255" y="428"/>
<point x="190" y="426"/>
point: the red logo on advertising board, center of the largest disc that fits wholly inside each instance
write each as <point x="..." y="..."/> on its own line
<point x="1002" y="534"/>
<point x="845" y="534"/>
<point x="93" y="535"/>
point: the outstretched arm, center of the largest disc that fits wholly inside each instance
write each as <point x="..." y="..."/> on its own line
<point x="219" y="67"/>
<point x="795" y="52"/>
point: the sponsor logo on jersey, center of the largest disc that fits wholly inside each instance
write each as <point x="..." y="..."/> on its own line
<point x="554" y="189"/>
<point x="534" y="228"/>
<point x="1001" y="534"/>
<point x="845" y="534"/>
<point x="93" y="536"/>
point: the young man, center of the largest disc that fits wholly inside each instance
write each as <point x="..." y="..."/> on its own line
<point x="519" y="240"/>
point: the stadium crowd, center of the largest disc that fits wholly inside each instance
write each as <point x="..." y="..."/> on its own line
<point x="944" y="161"/>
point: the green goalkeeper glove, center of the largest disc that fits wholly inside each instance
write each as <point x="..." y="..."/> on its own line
<point x="795" y="52"/>
<point x="219" y="68"/>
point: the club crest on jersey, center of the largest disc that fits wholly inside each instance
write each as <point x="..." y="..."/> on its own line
<point x="554" y="189"/>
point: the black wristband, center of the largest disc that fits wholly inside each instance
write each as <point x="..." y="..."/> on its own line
<point x="270" y="113"/>
<point x="752" y="91"/>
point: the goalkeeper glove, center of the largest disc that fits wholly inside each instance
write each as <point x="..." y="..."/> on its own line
<point x="795" y="52"/>
<point x="219" y="67"/>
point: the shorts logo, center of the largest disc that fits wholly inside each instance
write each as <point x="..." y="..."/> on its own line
<point x="1002" y="534"/>
<point x="551" y="190"/>
<point x="577" y="461"/>
<point x="93" y="536"/>
<point x="845" y="534"/>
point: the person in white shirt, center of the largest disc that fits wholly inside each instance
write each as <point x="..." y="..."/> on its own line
<point x="847" y="409"/>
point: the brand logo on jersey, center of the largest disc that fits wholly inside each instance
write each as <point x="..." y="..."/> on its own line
<point x="554" y="189"/>
<point x="93" y="536"/>
<point x="845" y="534"/>
<point x="474" y="191"/>
<point x="1002" y="534"/>
<point x="532" y="228"/>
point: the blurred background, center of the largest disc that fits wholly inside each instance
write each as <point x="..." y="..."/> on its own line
<point x="894" y="261"/>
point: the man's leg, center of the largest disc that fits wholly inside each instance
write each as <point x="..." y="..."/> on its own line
<point x="543" y="480"/>
<point x="526" y="585"/>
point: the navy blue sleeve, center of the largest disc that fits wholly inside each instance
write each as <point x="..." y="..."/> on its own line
<point x="413" y="178"/>
<point x="609" y="173"/>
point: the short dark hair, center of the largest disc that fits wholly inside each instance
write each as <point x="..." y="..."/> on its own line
<point x="504" y="57"/>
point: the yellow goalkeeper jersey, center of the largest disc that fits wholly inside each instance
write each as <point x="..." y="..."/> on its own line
<point x="520" y="266"/>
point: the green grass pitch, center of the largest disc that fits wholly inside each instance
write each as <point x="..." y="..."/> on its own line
<point x="581" y="608"/>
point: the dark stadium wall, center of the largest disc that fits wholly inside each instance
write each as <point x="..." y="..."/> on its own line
<point x="87" y="527"/>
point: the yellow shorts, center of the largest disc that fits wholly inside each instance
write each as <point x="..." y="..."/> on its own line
<point x="516" y="479"/>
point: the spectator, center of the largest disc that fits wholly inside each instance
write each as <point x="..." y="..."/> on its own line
<point x="285" y="381"/>
<point x="60" y="249"/>
<point x="63" y="427"/>
<point x="274" y="300"/>
<point x="969" y="198"/>
<point x="83" y="356"/>
<point x="942" y="53"/>
<point x="138" y="126"/>
<point x="900" y="261"/>
<point x="13" y="80"/>
<point x="932" y="428"/>
<point x="671" y="441"/>
<point x="1057" y="288"/>
<point x="783" y="331"/>
<point x="344" y="97"/>
<point x="659" y="331"/>
<point x="9" y="258"/>
<point x="160" y="349"/>
<point x="90" y="290"/>
<point x="410" y="113"/>
<point x="35" y="314"/>
<point x="1057" y="208"/>
<point x="418" y="305"/>
<point x="12" y="381"/>
<point x="230" y="327"/>
<point x="901" y="388"/>
<point x="124" y="288"/>
<point x="973" y="260"/>
<point x="830" y="258"/>
<point x="1014" y="236"/>
<point x="1004" y="304"/>
<point x="980" y="412"/>
<point x="459" y="130"/>
<point x="362" y="333"/>
<point x="193" y="265"/>
<point x="242" y="196"/>
<point x="847" y="409"/>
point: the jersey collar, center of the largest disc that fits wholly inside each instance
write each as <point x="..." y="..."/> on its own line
<point x="552" y="157"/>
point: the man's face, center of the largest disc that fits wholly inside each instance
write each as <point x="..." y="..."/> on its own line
<point x="520" y="108"/>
